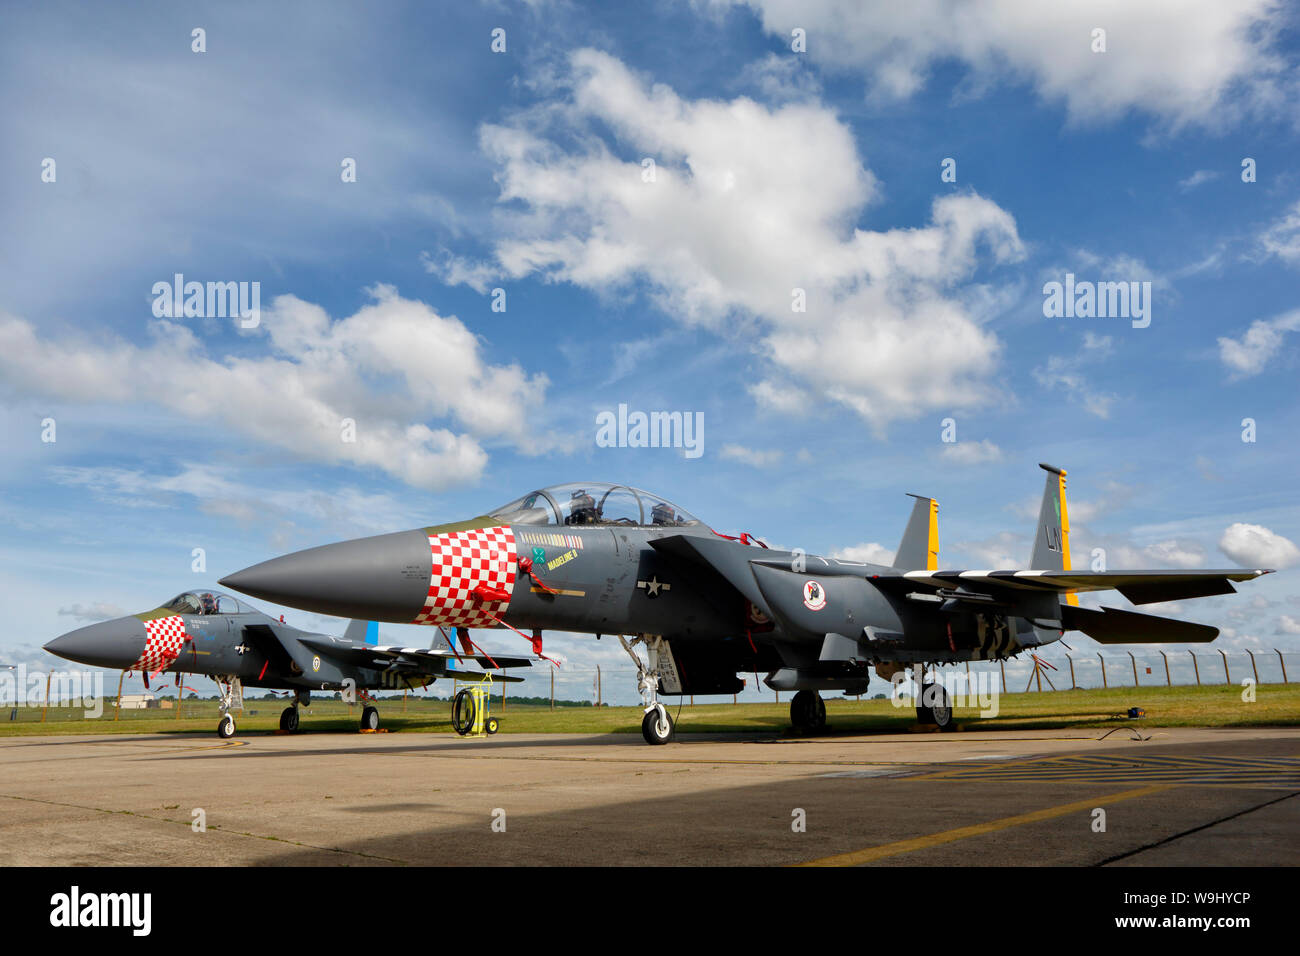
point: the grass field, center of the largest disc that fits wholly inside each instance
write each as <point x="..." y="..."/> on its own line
<point x="1275" y="705"/>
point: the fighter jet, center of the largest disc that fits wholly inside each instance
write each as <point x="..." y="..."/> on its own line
<point x="611" y="559"/>
<point x="214" y="634"/>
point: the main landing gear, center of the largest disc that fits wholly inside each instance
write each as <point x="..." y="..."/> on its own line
<point x="934" y="706"/>
<point x="369" y="718"/>
<point x="289" y="716"/>
<point x="657" y="725"/>
<point x="808" y="712"/>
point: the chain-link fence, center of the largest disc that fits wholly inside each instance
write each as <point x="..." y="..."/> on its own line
<point x="1052" y="669"/>
<point x="1055" y="668"/>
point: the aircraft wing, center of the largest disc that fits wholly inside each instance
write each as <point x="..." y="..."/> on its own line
<point x="1140" y="587"/>
<point x="437" y="662"/>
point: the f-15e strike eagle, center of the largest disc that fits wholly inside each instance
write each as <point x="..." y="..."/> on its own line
<point x="610" y="559"/>
<point x="216" y="635"/>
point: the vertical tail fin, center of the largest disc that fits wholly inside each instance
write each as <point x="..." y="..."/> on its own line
<point x="919" y="549"/>
<point x="1052" y="538"/>
<point x="365" y="631"/>
<point x="440" y="641"/>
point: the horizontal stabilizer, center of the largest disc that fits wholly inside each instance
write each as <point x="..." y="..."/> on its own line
<point x="1112" y="626"/>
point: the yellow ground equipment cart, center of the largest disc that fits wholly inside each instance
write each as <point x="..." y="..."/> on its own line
<point x="470" y="710"/>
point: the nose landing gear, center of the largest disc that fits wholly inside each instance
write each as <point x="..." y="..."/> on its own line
<point x="657" y="725"/>
<point x="230" y="689"/>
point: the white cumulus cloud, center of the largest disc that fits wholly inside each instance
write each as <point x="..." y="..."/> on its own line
<point x="971" y="452"/>
<point x="1254" y="546"/>
<point x="1180" y="62"/>
<point x="1249" y="354"/>
<point x="750" y="210"/>
<point x="867" y="553"/>
<point x="758" y="458"/>
<point x="413" y="381"/>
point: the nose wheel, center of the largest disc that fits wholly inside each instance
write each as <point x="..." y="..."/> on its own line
<point x="657" y="725"/>
<point x="808" y="712"/>
<point x="226" y="727"/>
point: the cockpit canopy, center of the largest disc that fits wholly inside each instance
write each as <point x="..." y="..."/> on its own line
<point x="207" y="602"/>
<point x="593" y="503"/>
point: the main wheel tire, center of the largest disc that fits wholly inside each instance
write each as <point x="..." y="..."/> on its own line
<point x="492" y="725"/>
<point x="807" y="712"/>
<point x="289" y="719"/>
<point x="370" y="718"/>
<point x="657" y="726"/>
<point x="462" y="713"/>
<point x="819" y="715"/>
<point x="939" y="713"/>
<point x="226" y="727"/>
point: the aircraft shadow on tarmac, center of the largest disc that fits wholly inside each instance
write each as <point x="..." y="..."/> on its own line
<point x="751" y="824"/>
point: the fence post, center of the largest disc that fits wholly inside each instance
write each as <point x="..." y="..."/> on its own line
<point x="1196" y="667"/>
<point x="1071" y="660"/>
<point x="47" y="695"/>
<point x="1254" y="670"/>
<point x="1227" y="678"/>
<point x="1282" y="661"/>
<point x="1135" y="668"/>
<point x="1168" y="680"/>
<point x="117" y="704"/>
<point x="552" y="688"/>
<point x="1104" y="685"/>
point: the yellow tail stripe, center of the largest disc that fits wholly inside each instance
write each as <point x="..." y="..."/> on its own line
<point x="932" y="547"/>
<point x="1070" y="596"/>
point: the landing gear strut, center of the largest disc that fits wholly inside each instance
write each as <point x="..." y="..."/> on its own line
<point x="657" y="725"/>
<point x="228" y="687"/>
<point x="808" y="712"/>
<point x="289" y="716"/>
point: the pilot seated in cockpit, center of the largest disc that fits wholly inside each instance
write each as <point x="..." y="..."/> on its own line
<point x="663" y="514"/>
<point x="209" y="604"/>
<point x="582" y="508"/>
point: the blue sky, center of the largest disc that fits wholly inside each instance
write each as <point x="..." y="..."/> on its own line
<point x="523" y="171"/>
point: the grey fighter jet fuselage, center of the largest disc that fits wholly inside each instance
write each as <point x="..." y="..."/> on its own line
<point x="215" y="635"/>
<point x="609" y="559"/>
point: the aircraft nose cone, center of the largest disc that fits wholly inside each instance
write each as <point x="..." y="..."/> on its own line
<point x="117" y="644"/>
<point x="384" y="578"/>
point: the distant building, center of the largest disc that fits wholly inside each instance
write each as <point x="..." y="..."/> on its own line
<point x="138" y="701"/>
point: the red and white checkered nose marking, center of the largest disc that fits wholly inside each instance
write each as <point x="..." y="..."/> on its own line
<point x="462" y="561"/>
<point x="164" y="640"/>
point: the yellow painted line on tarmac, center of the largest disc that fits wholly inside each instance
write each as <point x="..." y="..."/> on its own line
<point x="871" y="854"/>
